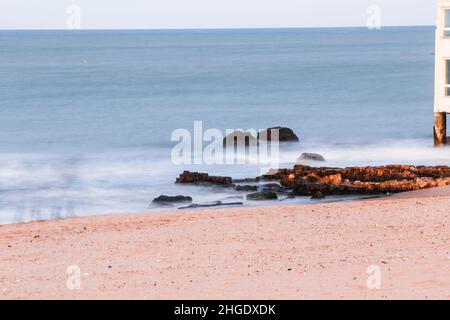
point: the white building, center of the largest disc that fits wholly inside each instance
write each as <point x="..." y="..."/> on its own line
<point x="442" y="72"/>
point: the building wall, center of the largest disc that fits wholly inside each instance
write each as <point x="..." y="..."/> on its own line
<point x="441" y="101"/>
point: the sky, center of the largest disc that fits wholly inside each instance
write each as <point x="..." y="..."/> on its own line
<point x="168" y="14"/>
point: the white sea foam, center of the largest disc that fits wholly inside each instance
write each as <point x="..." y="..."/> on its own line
<point x="55" y="186"/>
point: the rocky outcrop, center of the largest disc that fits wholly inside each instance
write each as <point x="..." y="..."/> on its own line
<point x="319" y="182"/>
<point x="210" y="205"/>
<point x="168" y="200"/>
<point x="310" y="157"/>
<point x="188" y="177"/>
<point x="305" y="180"/>
<point x="263" y="195"/>
<point x="285" y="134"/>
<point x="239" y="138"/>
<point x="365" y="174"/>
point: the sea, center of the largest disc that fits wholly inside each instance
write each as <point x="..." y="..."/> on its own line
<point x="87" y="118"/>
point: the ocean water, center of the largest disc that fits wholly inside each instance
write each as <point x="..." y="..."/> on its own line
<point x="86" y="117"/>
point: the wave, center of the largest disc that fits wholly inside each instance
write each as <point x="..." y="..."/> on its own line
<point x="39" y="186"/>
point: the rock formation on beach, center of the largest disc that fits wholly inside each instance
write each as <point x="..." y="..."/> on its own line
<point x="321" y="181"/>
<point x="188" y="177"/>
<point x="305" y="180"/>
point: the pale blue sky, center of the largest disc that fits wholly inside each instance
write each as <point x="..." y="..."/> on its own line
<point x="149" y="14"/>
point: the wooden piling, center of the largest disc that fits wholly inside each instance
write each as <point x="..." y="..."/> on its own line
<point x="440" y="129"/>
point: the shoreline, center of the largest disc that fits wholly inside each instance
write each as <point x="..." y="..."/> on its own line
<point x="180" y="210"/>
<point x="314" y="251"/>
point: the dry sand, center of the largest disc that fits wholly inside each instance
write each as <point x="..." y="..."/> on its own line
<point x="289" y="252"/>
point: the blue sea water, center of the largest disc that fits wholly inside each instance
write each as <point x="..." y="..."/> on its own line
<point x="86" y="116"/>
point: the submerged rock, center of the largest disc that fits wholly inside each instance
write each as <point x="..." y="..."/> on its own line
<point x="310" y="157"/>
<point x="188" y="177"/>
<point x="209" y="205"/>
<point x="232" y="198"/>
<point x="285" y="134"/>
<point x="246" y="188"/>
<point x="275" y="187"/>
<point x="263" y="195"/>
<point x="278" y="189"/>
<point x="247" y="180"/>
<point x="166" y="200"/>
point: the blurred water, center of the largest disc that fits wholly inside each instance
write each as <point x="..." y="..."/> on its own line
<point x="86" y="116"/>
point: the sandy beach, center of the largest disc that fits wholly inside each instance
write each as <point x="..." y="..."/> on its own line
<point x="318" y="251"/>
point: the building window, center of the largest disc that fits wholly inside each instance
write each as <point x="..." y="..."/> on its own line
<point x="447" y="23"/>
<point x="447" y="78"/>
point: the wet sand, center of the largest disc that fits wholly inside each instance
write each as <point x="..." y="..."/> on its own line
<point x="318" y="251"/>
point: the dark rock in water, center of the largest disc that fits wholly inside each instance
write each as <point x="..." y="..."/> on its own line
<point x="263" y="195"/>
<point x="246" y="188"/>
<point x="239" y="138"/>
<point x="247" y="180"/>
<point x="165" y="200"/>
<point x="209" y="205"/>
<point x="318" y="195"/>
<point x="188" y="177"/>
<point x="232" y="198"/>
<point x="271" y="187"/>
<point x="311" y="157"/>
<point x="289" y="196"/>
<point x="275" y="187"/>
<point x="285" y="134"/>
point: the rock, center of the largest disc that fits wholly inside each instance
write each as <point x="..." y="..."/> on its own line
<point x="232" y="198"/>
<point x="166" y="200"/>
<point x="310" y="157"/>
<point x="270" y="175"/>
<point x="247" y="180"/>
<point x="318" y="195"/>
<point x="312" y="178"/>
<point x="288" y="196"/>
<point x="263" y="195"/>
<point x="368" y="174"/>
<point x="246" y="188"/>
<point x="188" y="177"/>
<point x="275" y="187"/>
<point x="239" y="138"/>
<point x="209" y="205"/>
<point x="441" y="182"/>
<point x="334" y="179"/>
<point x="285" y="134"/>
<point x="307" y="180"/>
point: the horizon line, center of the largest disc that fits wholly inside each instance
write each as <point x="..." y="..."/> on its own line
<point x="218" y="28"/>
